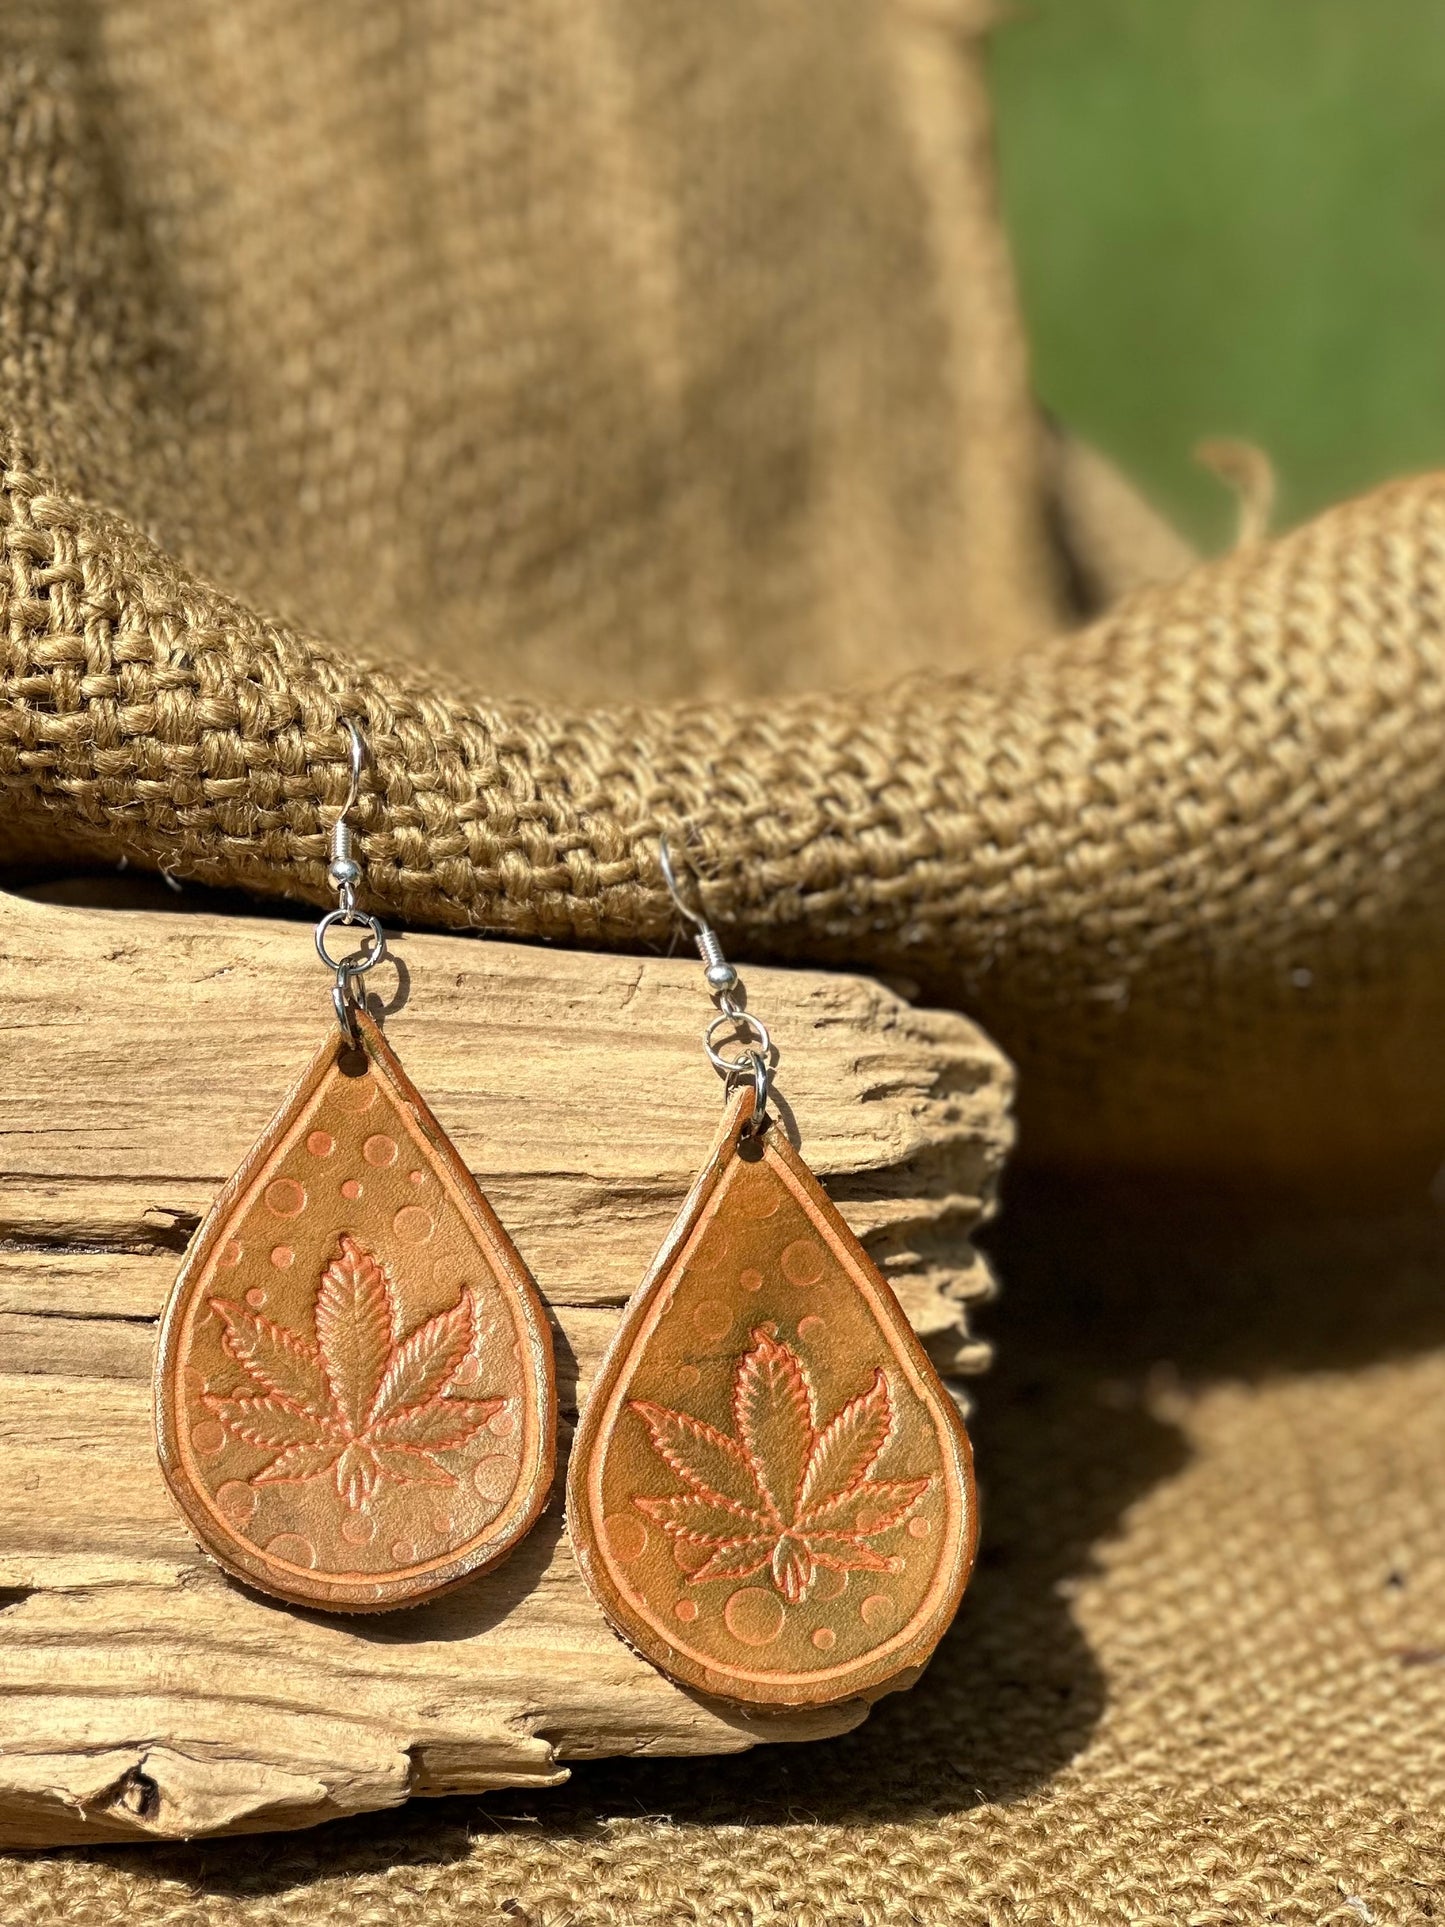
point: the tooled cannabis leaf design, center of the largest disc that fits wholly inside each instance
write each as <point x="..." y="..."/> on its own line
<point x="783" y="1493"/>
<point x="362" y="1403"/>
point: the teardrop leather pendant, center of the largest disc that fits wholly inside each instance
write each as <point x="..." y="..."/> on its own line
<point x="355" y="1399"/>
<point x="771" y="1494"/>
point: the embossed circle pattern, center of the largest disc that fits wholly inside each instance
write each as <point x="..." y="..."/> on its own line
<point x="770" y="1418"/>
<point x="360" y="1410"/>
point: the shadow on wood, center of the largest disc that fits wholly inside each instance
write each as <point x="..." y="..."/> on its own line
<point x="146" y="1695"/>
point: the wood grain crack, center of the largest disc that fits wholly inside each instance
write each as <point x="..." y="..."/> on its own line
<point x="142" y="1694"/>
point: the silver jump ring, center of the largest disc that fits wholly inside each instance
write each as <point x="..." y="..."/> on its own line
<point x="359" y="960"/>
<point x="346" y="1003"/>
<point x="759" y="1050"/>
<point x="760" y="1091"/>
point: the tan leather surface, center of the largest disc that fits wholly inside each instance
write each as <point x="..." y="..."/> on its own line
<point x="355" y="1397"/>
<point x="770" y="1491"/>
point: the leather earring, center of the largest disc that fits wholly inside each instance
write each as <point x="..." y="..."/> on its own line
<point x="355" y="1400"/>
<point x="770" y="1493"/>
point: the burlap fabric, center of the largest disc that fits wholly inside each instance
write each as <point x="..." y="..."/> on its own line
<point x="1199" y="1678"/>
<point x="623" y="410"/>
<point x="635" y="389"/>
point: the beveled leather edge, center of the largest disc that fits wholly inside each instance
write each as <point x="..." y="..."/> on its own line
<point x="343" y="1596"/>
<point x="868" y="1680"/>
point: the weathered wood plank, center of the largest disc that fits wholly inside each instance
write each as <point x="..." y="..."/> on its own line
<point x="144" y="1694"/>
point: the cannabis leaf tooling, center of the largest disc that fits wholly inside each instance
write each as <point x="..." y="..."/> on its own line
<point x="782" y="1493"/>
<point x="362" y="1403"/>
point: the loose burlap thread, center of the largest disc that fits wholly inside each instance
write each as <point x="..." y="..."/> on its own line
<point x="623" y="412"/>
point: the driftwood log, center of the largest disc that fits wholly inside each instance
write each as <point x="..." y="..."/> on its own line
<point x="142" y="1693"/>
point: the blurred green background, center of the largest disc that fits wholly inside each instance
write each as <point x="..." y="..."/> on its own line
<point x="1229" y="219"/>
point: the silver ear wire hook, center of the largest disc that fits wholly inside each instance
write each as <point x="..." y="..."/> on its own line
<point x="721" y="977"/>
<point x="754" y="1060"/>
<point x="343" y="870"/>
<point x="669" y="877"/>
<point x="358" y="759"/>
<point x="344" y="873"/>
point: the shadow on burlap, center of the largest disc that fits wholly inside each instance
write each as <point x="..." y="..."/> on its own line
<point x="1200" y="1675"/>
<point x="624" y="411"/>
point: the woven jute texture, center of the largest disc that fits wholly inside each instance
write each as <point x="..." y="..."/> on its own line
<point x="627" y="418"/>
<point x="1199" y="1678"/>
<point x="622" y="409"/>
